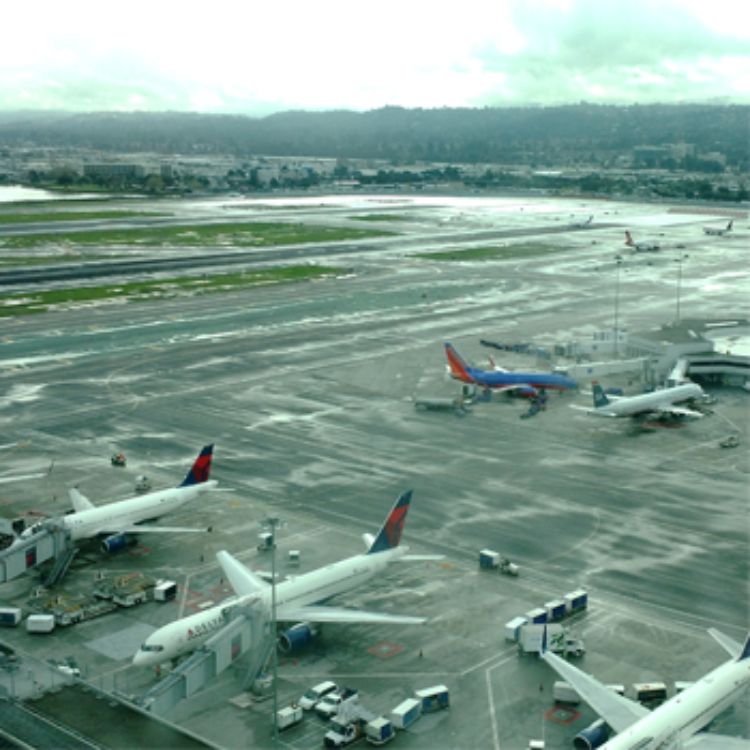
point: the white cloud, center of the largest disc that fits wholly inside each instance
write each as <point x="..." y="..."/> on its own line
<point x="239" y="56"/>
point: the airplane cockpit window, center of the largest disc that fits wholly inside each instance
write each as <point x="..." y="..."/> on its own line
<point x="152" y="647"/>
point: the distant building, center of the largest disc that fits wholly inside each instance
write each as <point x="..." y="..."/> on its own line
<point x="113" y="170"/>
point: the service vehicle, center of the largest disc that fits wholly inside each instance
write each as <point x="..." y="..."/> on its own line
<point x="288" y="716"/>
<point x="311" y="698"/>
<point x="343" y="732"/>
<point x="332" y="702"/>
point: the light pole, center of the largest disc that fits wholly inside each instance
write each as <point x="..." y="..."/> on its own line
<point x="679" y="261"/>
<point x="272" y="523"/>
<point x="618" y="261"/>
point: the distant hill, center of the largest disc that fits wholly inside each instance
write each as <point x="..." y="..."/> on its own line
<point x="528" y="134"/>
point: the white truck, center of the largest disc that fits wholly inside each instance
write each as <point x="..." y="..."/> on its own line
<point x="315" y="694"/>
<point x="288" y="716"/>
<point x="343" y="732"/>
<point x="40" y="623"/>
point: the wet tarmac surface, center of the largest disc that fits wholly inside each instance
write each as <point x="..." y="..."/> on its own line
<point x="307" y="392"/>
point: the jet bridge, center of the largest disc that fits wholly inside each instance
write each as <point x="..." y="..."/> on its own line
<point x="248" y="630"/>
<point x="49" y="540"/>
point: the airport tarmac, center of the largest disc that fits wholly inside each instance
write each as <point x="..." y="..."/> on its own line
<point x="307" y="391"/>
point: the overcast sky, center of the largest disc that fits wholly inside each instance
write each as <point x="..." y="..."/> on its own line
<point x="257" y="57"/>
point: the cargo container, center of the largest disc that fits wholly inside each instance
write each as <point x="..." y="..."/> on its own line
<point x="40" y="623"/>
<point x="165" y="591"/>
<point x="650" y="692"/>
<point x="406" y="713"/>
<point x="536" y="744"/>
<point x="379" y="731"/>
<point x="576" y="600"/>
<point x="488" y="558"/>
<point x="564" y="692"/>
<point x="433" y="698"/>
<point x="513" y="628"/>
<point x="530" y="638"/>
<point x="537" y="616"/>
<point x="556" y="610"/>
<point x="288" y="716"/>
<point x="10" y="616"/>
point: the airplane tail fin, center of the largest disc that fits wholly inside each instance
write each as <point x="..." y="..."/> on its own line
<point x="600" y="397"/>
<point x="201" y="468"/>
<point x="628" y="238"/>
<point x="459" y="368"/>
<point x="390" y="534"/>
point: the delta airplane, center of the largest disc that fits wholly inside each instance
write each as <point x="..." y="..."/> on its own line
<point x="658" y="403"/>
<point x="296" y="597"/>
<point x="676" y="724"/>
<point x="716" y="232"/>
<point x="641" y="247"/>
<point x="125" y="517"/>
<point x="526" y="383"/>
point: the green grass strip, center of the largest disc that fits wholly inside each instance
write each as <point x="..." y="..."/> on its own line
<point x="36" y="302"/>
<point x="235" y="234"/>
<point x="71" y="215"/>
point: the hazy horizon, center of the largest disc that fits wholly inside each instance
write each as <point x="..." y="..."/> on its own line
<point x="336" y="55"/>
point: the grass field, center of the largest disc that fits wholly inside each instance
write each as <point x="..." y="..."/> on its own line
<point x="234" y="234"/>
<point x="69" y="214"/>
<point x="37" y="302"/>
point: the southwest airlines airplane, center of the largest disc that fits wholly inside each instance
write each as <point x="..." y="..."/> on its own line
<point x="676" y="724"/>
<point x="527" y="383"/>
<point x="117" y="520"/>
<point x="297" y="599"/>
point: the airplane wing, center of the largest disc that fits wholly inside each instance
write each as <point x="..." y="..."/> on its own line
<point x="732" y="647"/>
<point x="708" y="741"/>
<point x="516" y="387"/>
<point x="138" y="529"/>
<point x="240" y="578"/>
<point x="342" y="614"/>
<point x="679" y="411"/>
<point x="79" y="501"/>
<point x="618" y="712"/>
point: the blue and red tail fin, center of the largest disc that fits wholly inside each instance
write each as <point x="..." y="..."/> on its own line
<point x="745" y="653"/>
<point x="459" y="369"/>
<point x="201" y="468"/>
<point x="390" y="534"/>
<point x="600" y="397"/>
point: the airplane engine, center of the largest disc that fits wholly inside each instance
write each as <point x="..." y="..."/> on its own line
<point x="296" y="637"/>
<point x="117" y="542"/>
<point x="593" y="736"/>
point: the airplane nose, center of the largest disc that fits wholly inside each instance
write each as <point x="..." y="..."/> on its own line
<point x="142" y="659"/>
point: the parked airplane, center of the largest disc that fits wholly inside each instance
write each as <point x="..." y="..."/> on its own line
<point x="526" y="383"/>
<point x="658" y="403"/>
<point x="719" y="232"/>
<point x="641" y="247"/>
<point x="581" y="224"/>
<point x="295" y="598"/>
<point x="123" y="518"/>
<point x="676" y="723"/>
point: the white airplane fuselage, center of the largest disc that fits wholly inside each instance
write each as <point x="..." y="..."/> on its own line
<point x="185" y="635"/>
<point x="686" y="713"/>
<point x="649" y="402"/>
<point x="85" y="524"/>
